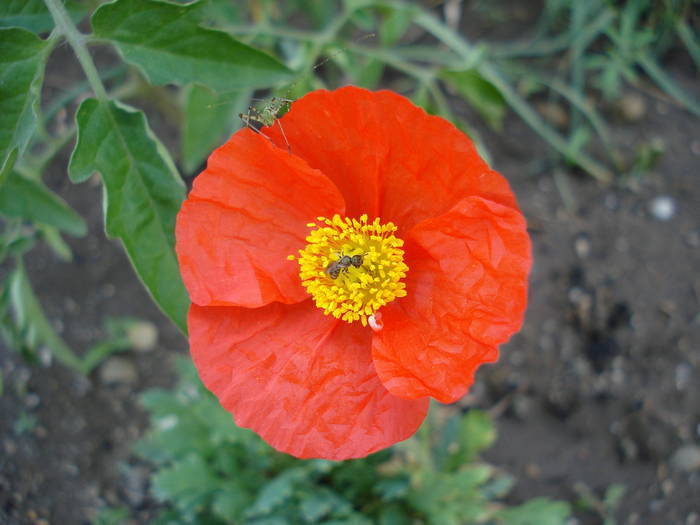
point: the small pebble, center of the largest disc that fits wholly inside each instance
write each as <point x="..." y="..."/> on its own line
<point x="663" y="207"/>
<point x="686" y="458"/>
<point x="554" y="113"/>
<point x="582" y="246"/>
<point x="532" y="471"/>
<point x="45" y="356"/>
<point x="143" y="336"/>
<point x="32" y="400"/>
<point x="656" y="505"/>
<point x="522" y="407"/>
<point x="108" y="290"/>
<point x="633" y="107"/>
<point x="118" y="370"/>
<point x="611" y="202"/>
<point x="683" y="374"/>
<point x="9" y="446"/>
<point x="667" y="487"/>
<point x="71" y="305"/>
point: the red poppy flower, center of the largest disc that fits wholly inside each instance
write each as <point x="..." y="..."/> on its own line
<point x="339" y="283"/>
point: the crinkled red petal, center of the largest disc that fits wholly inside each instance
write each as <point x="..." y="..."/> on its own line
<point x="303" y="381"/>
<point x="467" y="292"/>
<point x="245" y="214"/>
<point x="388" y="157"/>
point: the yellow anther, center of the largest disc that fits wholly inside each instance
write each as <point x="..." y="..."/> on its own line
<point x="351" y="267"/>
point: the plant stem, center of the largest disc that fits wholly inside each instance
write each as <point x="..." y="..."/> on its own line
<point x="77" y="41"/>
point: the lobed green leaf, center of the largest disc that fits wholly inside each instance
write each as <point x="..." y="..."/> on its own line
<point x="166" y="42"/>
<point x="143" y="194"/>
<point x="188" y="483"/>
<point x="22" y="59"/>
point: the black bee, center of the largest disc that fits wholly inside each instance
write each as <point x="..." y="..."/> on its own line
<point x="342" y="265"/>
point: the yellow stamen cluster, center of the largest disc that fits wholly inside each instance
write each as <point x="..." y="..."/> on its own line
<point x="347" y="290"/>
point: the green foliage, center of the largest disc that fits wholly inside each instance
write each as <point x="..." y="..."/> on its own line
<point x="143" y="194"/>
<point x="480" y="93"/>
<point x="27" y="199"/>
<point x="604" y="507"/>
<point x="208" y="117"/>
<point x="25" y="423"/>
<point x="166" y="41"/>
<point x="22" y="57"/>
<point x="111" y="516"/>
<point x="33" y="14"/>
<point x="209" y="471"/>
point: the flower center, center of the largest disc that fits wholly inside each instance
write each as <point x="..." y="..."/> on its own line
<point x="351" y="267"/>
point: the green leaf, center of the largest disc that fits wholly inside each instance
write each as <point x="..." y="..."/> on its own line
<point x="451" y="498"/>
<point x="539" y="511"/>
<point x="369" y="74"/>
<point x="143" y="195"/>
<point x="613" y="495"/>
<point x="52" y="237"/>
<point x="166" y="42"/>
<point x="30" y="200"/>
<point x="112" y="516"/>
<point x="276" y="492"/>
<point x="666" y="83"/>
<point x="475" y="433"/>
<point x="15" y="240"/>
<point x="216" y="13"/>
<point x="188" y="483"/>
<point x="32" y="322"/>
<point x="481" y="94"/>
<point x="230" y="502"/>
<point x="391" y="489"/>
<point x="393" y="25"/>
<point x="33" y="14"/>
<point x="316" y="506"/>
<point x="393" y="515"/>
<point x="7" y="168"/>
<point x="22" y="58"/>
<point x="101" y="351"/>
<point x="208" y="118"/>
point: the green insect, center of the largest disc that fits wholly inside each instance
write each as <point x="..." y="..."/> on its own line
<point x="267" y="115"/>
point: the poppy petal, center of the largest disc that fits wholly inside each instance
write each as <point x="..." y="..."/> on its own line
<point x="389" y="158"/>
<point x="303" y="381"/>
<point x="466" y="294"/>
<point x="245" y="214"/>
